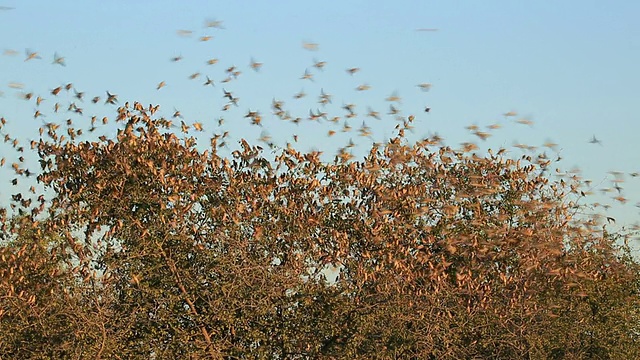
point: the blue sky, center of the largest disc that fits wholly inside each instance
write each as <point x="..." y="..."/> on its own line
<point x="570" y="66"/>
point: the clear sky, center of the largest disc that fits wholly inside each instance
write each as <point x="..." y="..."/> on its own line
<point x="572" y="67"/>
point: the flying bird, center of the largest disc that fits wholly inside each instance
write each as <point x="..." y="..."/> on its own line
<point x="213" y="24"/>
<point x="58" y="60"/>
<point x="594" y="140"/>
<point x="255" y="65"/>
<point x="111" y="98"/>
<point x="353" y="70"/>
<point x="424" y="86"/>
<point x="184" y="33"/>
<point x="32" y="55"/>
<point x="310" y="46"/>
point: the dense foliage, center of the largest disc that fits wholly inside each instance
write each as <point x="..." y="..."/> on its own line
<point x="151" y="248"/>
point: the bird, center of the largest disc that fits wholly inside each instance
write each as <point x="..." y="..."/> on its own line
<point x="393" y="97"/>
<point x="525" y="121"/>
<point x="184" y="33"/>
<point x="58" y="60"/>
<point x="209" y="82"/>
<point x="32" y="55"/>
<point x="319" y="64"/>
<point x="424" y="86"/>
<point x="353" y="70"/>
<point x="299" y="95"/>
<point x="310" y="46"/>
<point x="255" y="65"/>
<point x="111" y="99"/>
<point x="213" y="24"/>
<point x="307" y="75"/>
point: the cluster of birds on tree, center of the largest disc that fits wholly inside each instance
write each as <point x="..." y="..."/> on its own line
<point x="68" y="104"/>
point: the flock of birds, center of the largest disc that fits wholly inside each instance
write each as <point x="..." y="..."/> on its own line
<point x="68" y="103"/>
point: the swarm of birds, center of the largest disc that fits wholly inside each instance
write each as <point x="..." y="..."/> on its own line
<point x="63" y="115"/>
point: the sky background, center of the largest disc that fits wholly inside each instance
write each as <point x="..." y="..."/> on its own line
<point x="571" y="67"/>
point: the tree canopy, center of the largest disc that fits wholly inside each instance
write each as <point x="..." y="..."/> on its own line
<point x="152" y="248"/>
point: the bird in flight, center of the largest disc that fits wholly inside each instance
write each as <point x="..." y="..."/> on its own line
<point x="594" y="140"/>
<point x="310" y="46"/>
<point x="353" y="70"/>
<point x="59" y="60"/>
<point x="111" y="98"/>
<point x="255" y="65"/>
<point x="184" y="33"/>
<point x="32" y="55"/>
<point x="424" y="86"/>
<point x="213" y="24"/>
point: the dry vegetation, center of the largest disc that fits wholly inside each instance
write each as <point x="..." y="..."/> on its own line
<point x="144" y="246"/>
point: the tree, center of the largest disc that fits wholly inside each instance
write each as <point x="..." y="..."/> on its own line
<point x="152" y="248"/>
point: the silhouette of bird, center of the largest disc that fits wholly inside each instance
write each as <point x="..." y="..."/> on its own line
<point x="111" y="99"/>
<point x="594" y="140"/>
<point x="209" y="82"/>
